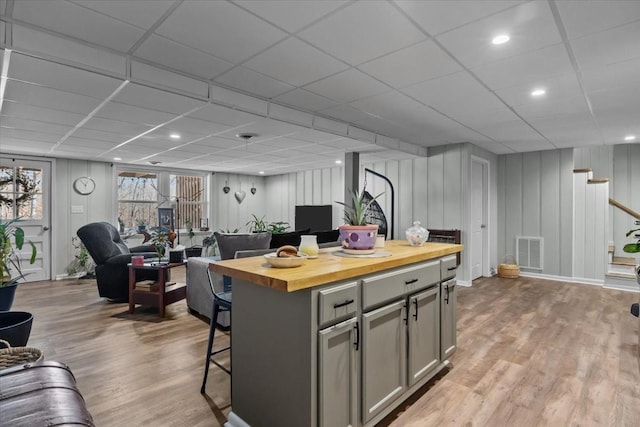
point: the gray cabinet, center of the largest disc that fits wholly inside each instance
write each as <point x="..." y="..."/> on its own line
<point x="383" y="357"/>
<point x="448" y="335"/>
<point x="338" y="374"/>
<point x="423" y="324"/>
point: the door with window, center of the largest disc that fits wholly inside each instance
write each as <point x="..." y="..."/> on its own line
<point x="25" y="188"/>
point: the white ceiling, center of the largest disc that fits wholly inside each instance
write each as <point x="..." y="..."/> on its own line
<point x="314" y="79"/>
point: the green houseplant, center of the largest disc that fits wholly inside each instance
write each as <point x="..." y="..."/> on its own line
<point x="11" y="242"/>
<point x="634" y="248"/>
<point x="357" y="234"/>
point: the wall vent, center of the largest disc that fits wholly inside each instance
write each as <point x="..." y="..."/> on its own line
<point x="530" y="252"/>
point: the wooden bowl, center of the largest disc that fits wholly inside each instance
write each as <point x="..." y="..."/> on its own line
<point x="285" y="262"/>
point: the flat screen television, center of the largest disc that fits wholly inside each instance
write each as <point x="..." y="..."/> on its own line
<point x="315" y="217"/>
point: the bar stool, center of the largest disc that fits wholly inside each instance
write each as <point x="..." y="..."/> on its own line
<point x="221" y="302"/>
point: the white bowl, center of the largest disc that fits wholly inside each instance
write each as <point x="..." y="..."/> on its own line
<point x="284" y="262"/>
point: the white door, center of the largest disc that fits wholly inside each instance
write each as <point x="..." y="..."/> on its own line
<point x="479" y="180"/>
<point x="25" y="188"/>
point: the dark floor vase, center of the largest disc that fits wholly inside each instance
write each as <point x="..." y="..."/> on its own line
<point x="15" y="327"/>
<point x="7" y="293"/>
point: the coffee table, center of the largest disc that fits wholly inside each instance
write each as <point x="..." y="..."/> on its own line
<point x="160" y="294"/>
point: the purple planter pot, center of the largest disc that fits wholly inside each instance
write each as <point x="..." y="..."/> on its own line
<point x="358" y="237"/>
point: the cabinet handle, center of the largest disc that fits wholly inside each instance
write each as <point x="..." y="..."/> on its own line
<point x="408" y="282"/>
<point x="406" y="312"/>
<point x="415" y="315"/>
<point x="452" y="268"/>
<point x="357" y="343"/>
<point x="446" y="298"/>
<point x="342" y="304"/>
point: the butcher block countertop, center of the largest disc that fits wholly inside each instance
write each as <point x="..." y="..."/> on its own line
<point x="329" y="267"/>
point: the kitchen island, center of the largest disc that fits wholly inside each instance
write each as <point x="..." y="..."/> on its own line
<point x="339" y="340"/>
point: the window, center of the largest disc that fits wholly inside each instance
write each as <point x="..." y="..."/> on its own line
<point x="20" y="192"/>
<point x="141" y="194"/>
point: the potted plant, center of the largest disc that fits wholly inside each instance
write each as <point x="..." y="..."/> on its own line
<point x="11" y="242"/>
<point x="192" y="251"/>
<point x="357" y="234"/>
<point x="634" y="248"/>
<point x="142" y="224"/>
<point x="257" y="225"/>
<point x="82" y="264"/>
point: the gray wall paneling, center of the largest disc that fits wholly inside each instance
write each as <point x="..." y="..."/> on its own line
<point x="549" y="209"/>
<point x="566" y="212"/>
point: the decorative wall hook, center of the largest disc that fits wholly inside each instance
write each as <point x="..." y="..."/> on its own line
<point x="226" y="187"/>
<point x="253" y="188"/>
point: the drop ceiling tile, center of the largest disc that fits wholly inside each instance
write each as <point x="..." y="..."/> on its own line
<point x="608" y="47"/>
<point x="295" y="63"/>
<point x="530" y="26"/>
<point x="316" y="136"/>
<point x="436" y="17"/>
<point x="60" y="77"/>
<point x="528" y="68"/>
<point x="347" y="86"/>
<point x="514" y="130"/>
<point x="363" y="31"/>
<point x="285" y="143"/>
<point x="234" y="35"/>
<point x="254" y="83"/>
<point x="621" y="74"/>
<point x="164" y="51"/>
<point x="49" y="115"/>
<point x="223" y="115"/>
<point x="97" y="135"/>
<point x="79" y="22"/>
<point x="347" y="144"/>
<point x="291" y="15"/>
<point x="529" y="145"/>
<point x="393" y="106"/>
<point x="146" y="97"/>
<point x="195" y="126"/>
<point x="40" y="96"/>
<point x="553" y="107"/>
<point x="116" y="126"/>
<point x="587" y="17"/>
<point x="618" y="98"/>
<point x="27" y="135"/>
<point x="453" y="92"/>
<point x="345" y="113"/>
<point x="559" y="88"/>
<point x="567" y="127"/>
<point x="27" y="146"/>
<point x="33" y="125"/>
<point x="417" y="63"/>
<point x="305" y="100"/>
<point x="128" y="113"/>
<point x="135" y="12"/>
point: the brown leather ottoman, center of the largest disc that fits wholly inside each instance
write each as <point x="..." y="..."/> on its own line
<point x="41" y="394"/>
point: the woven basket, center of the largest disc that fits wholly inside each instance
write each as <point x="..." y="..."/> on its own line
<point x="11" y="356"/>
<point x="509" y="269"/>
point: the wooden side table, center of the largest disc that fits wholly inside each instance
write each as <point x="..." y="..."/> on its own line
<point x="161" y="294"/>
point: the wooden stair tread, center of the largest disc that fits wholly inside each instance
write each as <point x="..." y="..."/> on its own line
<point x="582" y="170"/>
<point x="619" y="260"/>
<point x="629" y="276"/>
<point x="597" y="180"/>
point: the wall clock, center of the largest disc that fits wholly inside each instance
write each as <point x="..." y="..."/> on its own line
<point x="84" y="185"/>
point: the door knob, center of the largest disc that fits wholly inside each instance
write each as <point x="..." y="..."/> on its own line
<point x="45" y="228"/>
<point x="483" y="226"/>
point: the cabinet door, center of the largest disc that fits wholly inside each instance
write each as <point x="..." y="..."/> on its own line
<point x="384" y="356"/>
<point x="337" y="376"/>
<point x="448" y="332"/>
<point x="424" y="333"/>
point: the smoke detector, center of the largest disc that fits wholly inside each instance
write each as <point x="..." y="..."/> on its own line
<point x="246" y="136"/>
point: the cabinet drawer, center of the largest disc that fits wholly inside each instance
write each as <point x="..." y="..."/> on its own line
<point x="385" y="287"/>
<point x="337" y="302"/>
<point x="448" y="267"/>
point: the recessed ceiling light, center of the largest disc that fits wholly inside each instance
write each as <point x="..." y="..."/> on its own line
<point x="174" y="136"/>
<point x="117" y="158"/>
<point x="538" y="92"/>
<point x="338" y="162"/>
<point x="500" y="39"/>
<point x="261" y="172"/>
<point x="630" y="138"/>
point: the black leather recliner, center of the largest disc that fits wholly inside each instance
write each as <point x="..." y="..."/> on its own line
<point x="111" y="256"/>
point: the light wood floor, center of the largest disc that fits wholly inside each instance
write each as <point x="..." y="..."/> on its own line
<point x="531" y="352"/>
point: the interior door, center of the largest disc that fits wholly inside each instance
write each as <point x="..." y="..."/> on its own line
<point x="25" y="187"/>
<point x="478" y="221"/>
